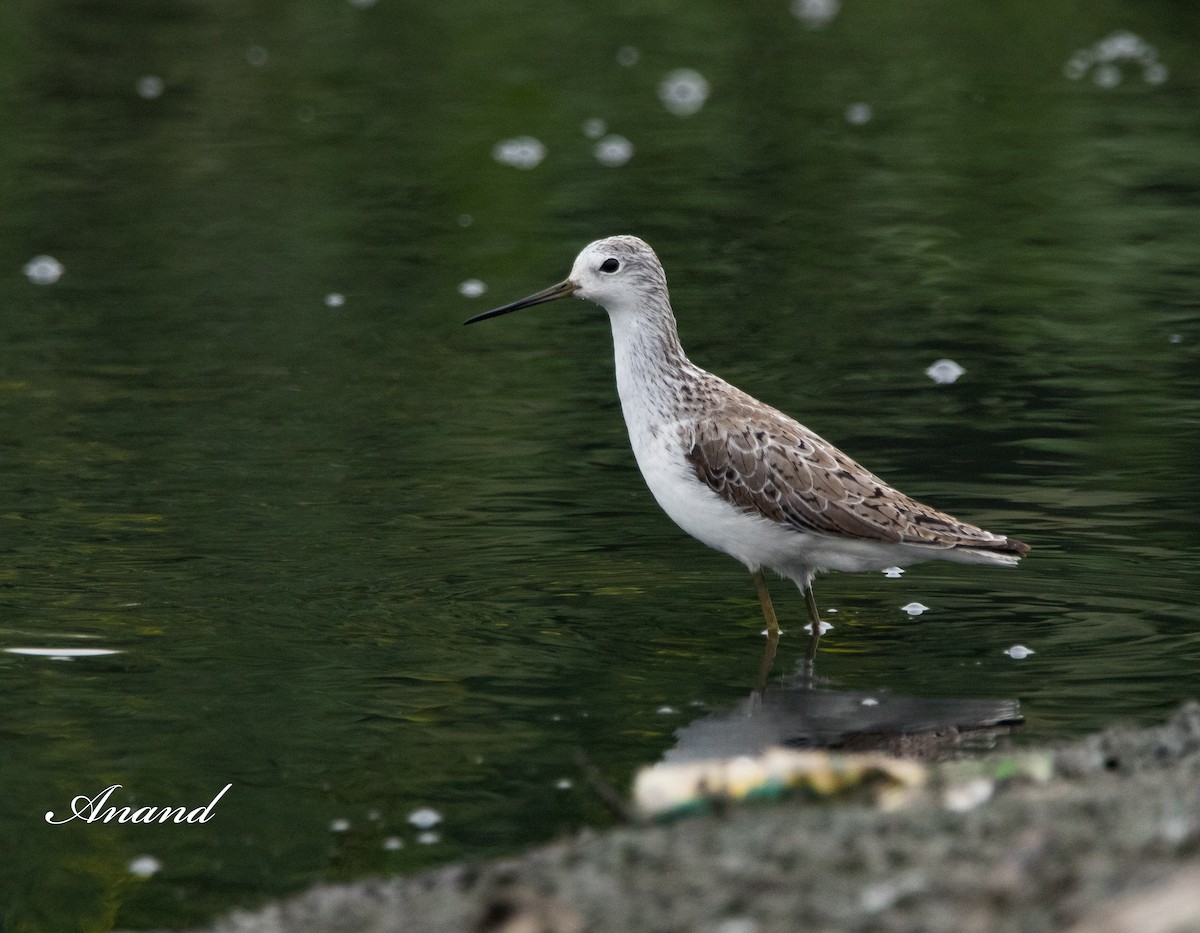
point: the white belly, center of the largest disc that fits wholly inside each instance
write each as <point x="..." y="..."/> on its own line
<point x="753" y="540"/>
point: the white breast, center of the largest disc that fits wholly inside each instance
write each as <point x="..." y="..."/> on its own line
<point x="649" y="400"/>
<point x="754" y="541"/>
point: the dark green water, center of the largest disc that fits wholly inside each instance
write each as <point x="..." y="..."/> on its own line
<point x="358" y="560"/>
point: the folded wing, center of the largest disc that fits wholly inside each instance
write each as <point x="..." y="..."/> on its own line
<point x="777" y="468"/>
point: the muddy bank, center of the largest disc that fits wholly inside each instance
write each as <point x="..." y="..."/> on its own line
<point x="1106" y="839"/>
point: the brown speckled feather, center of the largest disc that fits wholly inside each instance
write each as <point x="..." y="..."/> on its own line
<point x="764" y="462"/>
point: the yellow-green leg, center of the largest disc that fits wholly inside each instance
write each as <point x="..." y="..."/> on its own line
<point x="814" y="615"/>
<point x="764" y="597"/>
<point x="767" y="662"/>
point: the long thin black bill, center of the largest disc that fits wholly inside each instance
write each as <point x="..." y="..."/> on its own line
<point x="553" y="293"/>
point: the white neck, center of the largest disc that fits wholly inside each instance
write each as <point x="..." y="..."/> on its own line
<point x="650" y="363"/>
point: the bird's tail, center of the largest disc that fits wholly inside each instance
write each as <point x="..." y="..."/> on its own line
<point x="1006" y="551"/>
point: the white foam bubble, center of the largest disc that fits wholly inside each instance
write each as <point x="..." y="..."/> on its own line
<point x="858" y="114"/>
<point x="144" y="866"/>
<point x="523" y="152"/>
<point x="594" y="128"/>
<point x="944" y="372"/>
<point x="424" y="818"/>
<point x="1105" y="58"/>
<point x="815" y="14"/>
<point x="613" y="150"/>
<point x="1155" y="73"/>
<point x="1107" y="75"/>
<point x="44" y="270"/>
<point x="150" y="87"/>
<point x="683" y="91"/>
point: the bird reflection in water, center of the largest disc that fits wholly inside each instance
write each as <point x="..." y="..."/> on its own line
<point x="797" y="713"/>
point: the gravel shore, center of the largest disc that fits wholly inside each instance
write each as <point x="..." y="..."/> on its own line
<point x="1106" y="839"/>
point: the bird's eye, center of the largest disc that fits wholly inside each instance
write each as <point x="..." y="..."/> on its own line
<point x="609" y="265"/>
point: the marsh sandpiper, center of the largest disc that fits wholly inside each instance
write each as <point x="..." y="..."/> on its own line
<point x="738" y="475"/>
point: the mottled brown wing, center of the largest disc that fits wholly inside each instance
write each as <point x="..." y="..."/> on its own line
<point x="779" y="469"/>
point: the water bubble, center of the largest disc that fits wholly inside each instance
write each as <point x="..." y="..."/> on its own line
<point x="424" y="818"/>
<point x="374" y="816"/>
<point x="869" y="701"/>
<point x="43" y="270"/>
<point x="363" y="4"/>
<point x="339" y="825"/>
<point x="523" y="152"/>
<point x="915" y="609"/>
<point x="815" y="13"/>
<point x="1107" y="75"/>
<point x="144" y="866"/>
<point x="666" y="710"/>
<point x="149" y="87"/>
<point x="627" y="56"/>
<point x="465" y="220"/>
<point x="1155" y="73"/>
<point x="858" y="114"/>
<point x="429" y="838"/>
<point x="335" y="300"/>
<point x="257" y="56"/>
<point x="393" y="844"/>
<point x="1120" y="44"/>
<point x="683" y="91"/>
<point x="594" y="128"/>
<point x="893" y="573"/>
<point x="825" y="627"/>
<point x="1078" y="64"/>
<point x="1018" y="652"/>
<point x="563" y="784"/>
<point x="1105" y="57"/>
<point x="613" y="151"/>
<point x="1175" y="338"/>
<point x="944" y="372"/>
<point x="471" y="288"/>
